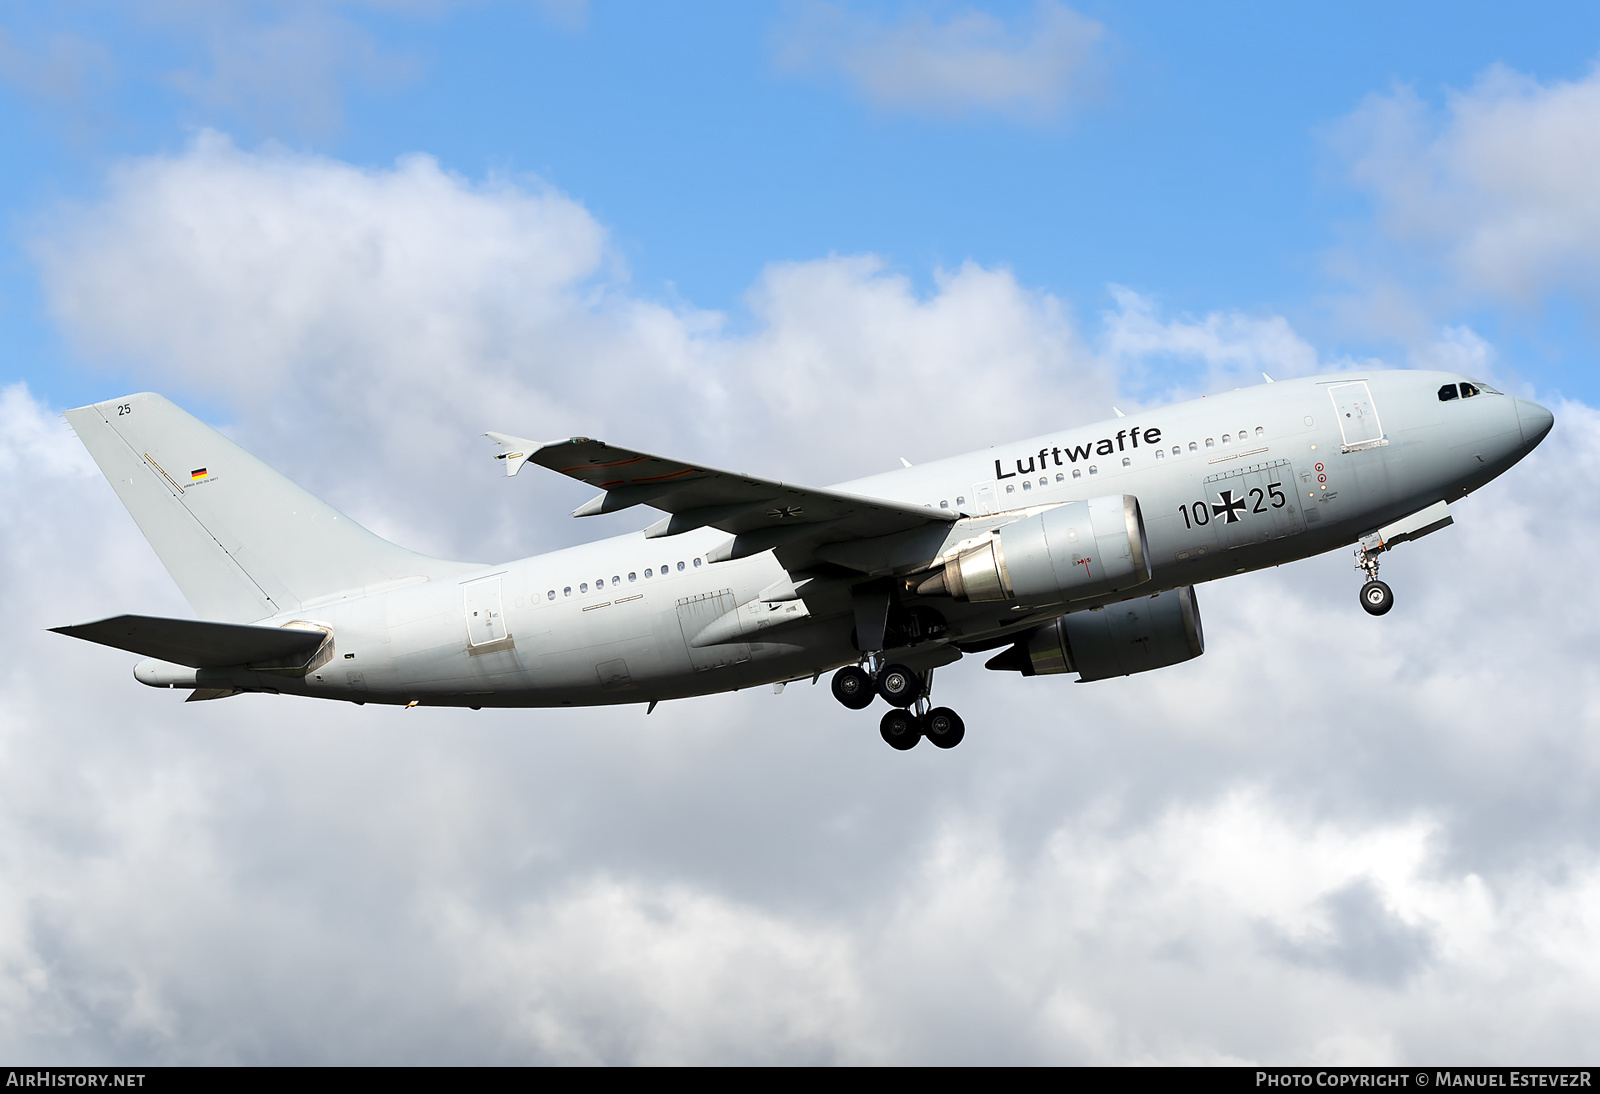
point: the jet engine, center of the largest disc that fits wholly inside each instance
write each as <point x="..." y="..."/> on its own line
<point x="1149" y="632"/>
<point x="1077" y="550"/>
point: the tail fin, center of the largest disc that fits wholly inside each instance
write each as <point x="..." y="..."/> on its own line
<point x="242" y="542"/>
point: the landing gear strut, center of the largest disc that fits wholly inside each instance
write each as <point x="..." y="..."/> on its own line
<point x="907" y="691"/>
<point x="1376" y="597"/>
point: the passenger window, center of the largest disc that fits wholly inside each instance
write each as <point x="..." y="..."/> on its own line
<point x="1468" y="391"/>
<point x="1177" y="450"/>
<point x="665" y="566"/>
<point x="1260" y="430"/>
<point x="1447" y="393"/>
<point x="1126" y="462"/>
<point x="1210" y="443"/>
<point x="1193" y="447"/>
<point x="680" y="567"/>
<point x="600" y="584"/>
<point x="1060" y="477"/>
<point x="1044" y="480"/>
<point x="633" y="577"/>
<point x="583" y="586"/>
<point x="1077" y="474"/>
<point x="961" y="501"/>
<point x="567" y="591"/>
<point x="552" y="594"/>
<point x="647" y="571"/>
<point x="1010" y="489"/>
<point x="697" y="562"/>
<point x="615" y="581"/>
<point x="1160" y="455"/>
<point x="1226" y="438"/>
<point x="944" y="505"/>
<point x="1026" y="485"/>
<point x="1093" y="470"/>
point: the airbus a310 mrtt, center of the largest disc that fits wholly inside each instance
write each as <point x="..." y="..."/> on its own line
<point x="1077" y="552"/>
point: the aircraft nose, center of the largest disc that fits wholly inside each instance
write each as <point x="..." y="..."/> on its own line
<point x="1535" y="421"/>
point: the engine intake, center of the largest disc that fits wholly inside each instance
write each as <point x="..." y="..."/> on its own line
<point x="1077" y="550"/>
<point x="1137" y="635"/>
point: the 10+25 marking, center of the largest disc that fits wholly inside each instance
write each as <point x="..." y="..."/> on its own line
<point x="1229" y="507"/>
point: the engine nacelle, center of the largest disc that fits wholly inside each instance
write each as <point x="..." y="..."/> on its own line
<point x="1077" y="550"/>
<point x="1149" y="632"/>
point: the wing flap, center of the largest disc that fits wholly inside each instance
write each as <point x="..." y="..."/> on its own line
<point x="197" y="643"/>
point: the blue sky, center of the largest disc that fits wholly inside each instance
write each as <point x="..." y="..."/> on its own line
<point x="1192" y="161"/>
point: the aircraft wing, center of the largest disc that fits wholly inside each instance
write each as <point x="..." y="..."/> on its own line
<point x="762" y="513"/>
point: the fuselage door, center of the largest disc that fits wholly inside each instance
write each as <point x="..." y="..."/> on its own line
<point x="983" y="494"/>
<point x="486" y="621"/>
<point x="1358" y="417"/>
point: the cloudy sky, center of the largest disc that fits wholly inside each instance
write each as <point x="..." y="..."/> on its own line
<point x="805" y="238"/>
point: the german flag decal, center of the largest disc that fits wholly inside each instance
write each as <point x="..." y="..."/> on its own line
<point x="197" y="474"/>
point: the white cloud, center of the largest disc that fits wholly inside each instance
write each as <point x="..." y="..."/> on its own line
<point x="1232" y="349"/>
<point x="620" y="972"/>
<point x="971" y="61"/>
<point x="1331" y="838"/>
<point x="399" y="313"/>
<point x="1497" y="195"/>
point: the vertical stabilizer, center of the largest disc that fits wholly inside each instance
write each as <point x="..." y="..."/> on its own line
<point x="242" y="542"/>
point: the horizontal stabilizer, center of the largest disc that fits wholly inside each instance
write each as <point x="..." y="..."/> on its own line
<point x="198" y="643"/>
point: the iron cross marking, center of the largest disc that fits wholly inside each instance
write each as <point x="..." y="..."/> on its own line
<point x="789" y="511"/>
<point x="1229" y="507"/>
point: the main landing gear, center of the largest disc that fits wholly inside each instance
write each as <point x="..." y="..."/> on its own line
<point x="1376" y="597"/>
<point x="907" y="692"/>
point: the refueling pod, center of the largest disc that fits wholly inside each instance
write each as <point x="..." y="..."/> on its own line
<point x="1077" y="550"/>
<point x="1148" y="632"/>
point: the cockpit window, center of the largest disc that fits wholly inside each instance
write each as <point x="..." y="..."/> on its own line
<point x="1468" y="391"/>
<point x="1447" y="393"/>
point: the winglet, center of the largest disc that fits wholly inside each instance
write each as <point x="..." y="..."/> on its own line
<point x="514" y="450"/>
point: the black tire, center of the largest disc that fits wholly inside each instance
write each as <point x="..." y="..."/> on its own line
<point x="1377" y="598"/>
<point x="899" y="686"/>
<point x="943" y="727"/>
<point x="853" y="687"/>
<point x="900" y="729"/>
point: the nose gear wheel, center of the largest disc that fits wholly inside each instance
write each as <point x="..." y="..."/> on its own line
<point x="1376" y="597"/>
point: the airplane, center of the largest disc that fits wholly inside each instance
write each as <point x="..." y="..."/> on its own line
<point x="1076" y="552"/>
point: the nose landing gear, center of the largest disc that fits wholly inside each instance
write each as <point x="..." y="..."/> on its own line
<point x="1376" y="597"/>
<point x="911" y="719"/>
